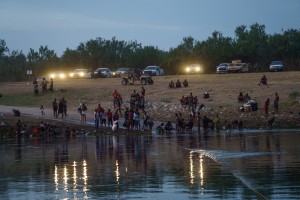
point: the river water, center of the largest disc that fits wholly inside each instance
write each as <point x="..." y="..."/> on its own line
<point x="248" y="165"/>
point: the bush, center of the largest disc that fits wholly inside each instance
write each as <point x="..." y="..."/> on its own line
<point x="294" y="94"/>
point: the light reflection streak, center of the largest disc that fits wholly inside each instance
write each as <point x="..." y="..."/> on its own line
<point x="56" y="178"/>
<point x="117" y="172"/>
<point x="191" y="168"/>
<point x="201" y="174"/>
<point x="66" y="178"/>
<point x="74" y="179"/>
<point x="84" y="173"/>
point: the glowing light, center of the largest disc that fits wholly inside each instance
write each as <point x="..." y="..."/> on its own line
<point x="117" y="172"/>
<point x="81" y="74"/>
<point x="62" y="76"/>
<point x="85" y="178"/>
<point x="191" y="168"/>
<point x="75" y="177"/>
<point x="56" y="178"/>
<point x="201" y="174"/>
<point x="66" y="178"/>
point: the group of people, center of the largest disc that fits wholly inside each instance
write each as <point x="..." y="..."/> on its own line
<point x="105" y="118"/>
<point x="59" y="108"/>
<point x="44" y="85"/>
<point x="190" y="102"/>
<point x="178" y="84"/>
<point x="243" y="98"/>
<point x="132" y="116"/>
<point x="137" y="100"/>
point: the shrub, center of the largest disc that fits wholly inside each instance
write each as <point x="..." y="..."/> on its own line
<point x="294" y="94"/>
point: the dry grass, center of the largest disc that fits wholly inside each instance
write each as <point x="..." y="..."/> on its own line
<point x="164" y="102"/>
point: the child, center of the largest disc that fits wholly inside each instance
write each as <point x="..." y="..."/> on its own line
<point x="42" y="109"/>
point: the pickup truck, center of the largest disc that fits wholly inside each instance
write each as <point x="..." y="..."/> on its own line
<point x="153" y="71"/>
<point x="233" y="67"/>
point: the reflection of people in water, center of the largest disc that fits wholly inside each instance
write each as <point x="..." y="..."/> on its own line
<point x="18" y="150"/>
<point x="18" y="127"/>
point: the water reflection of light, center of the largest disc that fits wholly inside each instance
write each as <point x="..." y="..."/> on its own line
<point x="56" y="178"/>
<point x="84" y="174"/>
<point x="66" y="178"/>
<point x="117" y="172"/>
<point x="191" y="168"/>
<point x="201" y="170"/>
<point x="74" y="178"/>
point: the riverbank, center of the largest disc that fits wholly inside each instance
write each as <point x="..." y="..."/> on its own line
<point x="62" y="127"/>
<point x="161" y="102"/>
<point x="72" y="126"/>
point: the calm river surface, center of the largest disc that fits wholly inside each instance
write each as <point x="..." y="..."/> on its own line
<point x="251" y="165"/>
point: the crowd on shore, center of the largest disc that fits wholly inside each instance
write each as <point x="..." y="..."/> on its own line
<point x="135" y="116"/>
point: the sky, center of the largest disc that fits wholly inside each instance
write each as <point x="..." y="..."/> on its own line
<point x="62" y="24"/>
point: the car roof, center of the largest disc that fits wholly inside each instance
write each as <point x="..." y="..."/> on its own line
<point x="102" y="68"/>
<point x="81" y="70"/>
<point x="277" y="61"/>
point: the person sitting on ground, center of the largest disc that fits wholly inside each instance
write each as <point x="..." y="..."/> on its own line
<point x="241" y="98"/>
<point x="178" y="84"/>
<point x="171" y="84"/>
<point x="206" y="95"/>
<point x="263" y="80"/>
<point x="185" y="83"/>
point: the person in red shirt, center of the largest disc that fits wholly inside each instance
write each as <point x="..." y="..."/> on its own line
<point x="109" y="117"/>
<point x="115" y="95"/>
<point x="266" y="106"/>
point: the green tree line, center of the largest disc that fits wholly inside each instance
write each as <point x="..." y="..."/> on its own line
<point x="250" y="44"/>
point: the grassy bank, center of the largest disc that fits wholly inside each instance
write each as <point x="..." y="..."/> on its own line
<point x="163" y="103"/>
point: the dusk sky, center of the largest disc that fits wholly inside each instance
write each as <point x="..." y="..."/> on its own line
<point x="62" y="24"/>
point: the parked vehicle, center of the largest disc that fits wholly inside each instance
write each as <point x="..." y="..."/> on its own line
<point x="222" y="68"/>
<point x="194" y="69"/>
<point x="153" y="71"/>
<point x="81" y="73"/>
<point x="133" y="76"/>
<point x="102" y="72"/>
<point x="277" y="66"/>
<point x="234" y="67"/>
<point x="58" y="75"/>
<point x="119" y="72"/>
<point x="237" y="67"/>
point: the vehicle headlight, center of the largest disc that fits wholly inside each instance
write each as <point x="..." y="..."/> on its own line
<point x="71" y="75"/>
<point x="52" y="75"/>
<point x="187" y="69"/>
<point x="114" y="73"/>
<point x="81" y="74"/>
<point x="198" y="69"/>
<point x="62" y="75"/>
